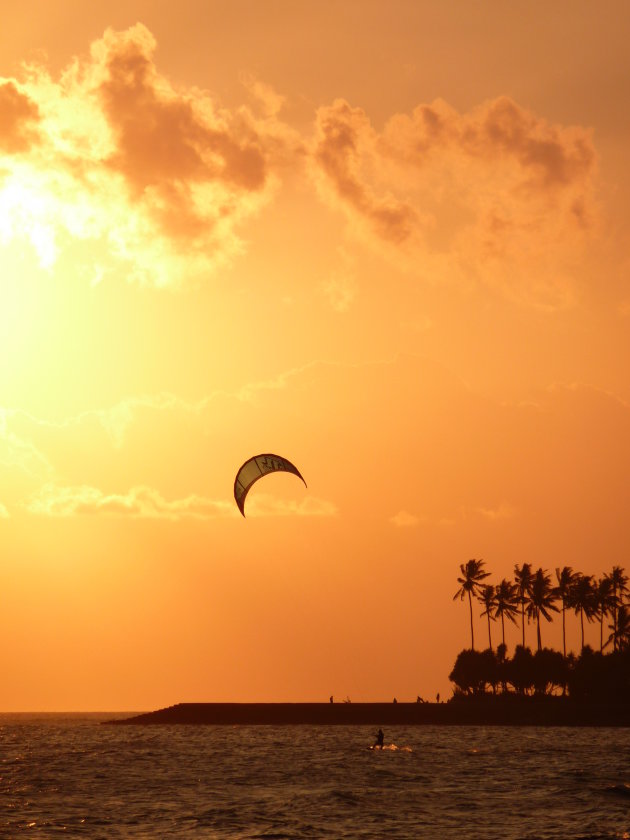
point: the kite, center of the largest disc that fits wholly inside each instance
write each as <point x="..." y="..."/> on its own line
<point x="255" y="468"/>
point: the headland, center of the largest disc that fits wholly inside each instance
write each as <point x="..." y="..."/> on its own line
<point x="484" y="711"/>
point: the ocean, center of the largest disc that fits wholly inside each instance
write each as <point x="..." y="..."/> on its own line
<point x="71" y="776"/>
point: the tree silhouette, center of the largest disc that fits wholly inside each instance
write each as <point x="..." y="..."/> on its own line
<point x="550" y="670"/>
<point x="620" y="636"/>
<point x="590" y="677"/>
<point x="581" y="599"/>
<point x="619" y="583"/>
<point x="501" y="656"/>
<point x="541" y="601"/>
<point x="520" y="669"/>
<point x="486" y="596"/>
<point x="566" y="578"/>
<point x="523" y="579"/>
<point x="472" y="574"/>
<point x="505" y="601"/>
<point x="603" y="599"/>
<point x="473" y="670"/>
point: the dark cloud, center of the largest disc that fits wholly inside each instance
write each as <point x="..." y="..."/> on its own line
<point x="18" y="113"/>
<point x="161" y="172"/>
<point x="549" y="155"/>
<point x="338" y="153"/>
<point x="556" y="156"/>
<point x="468" y="194"/>
<point x="162" y="137"/>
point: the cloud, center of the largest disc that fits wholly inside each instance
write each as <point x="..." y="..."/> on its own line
<point x="17" y="451"/>
<point x="343" y="135"/>
<point x="502" y="511"/>
<point x="163" y="137"/>
<point x="157" y="179"/>
<point x="497" y="195"/>
<point x="404" y="519"/>
<point x="113" y="166"/>
<point x="142" y="502"/>
<point x="266" y="97"/>
<point x="264" y="505"/>
<point x="18" y="114"/>
<point x="139" y="503"/>
<point x="548" y="464"/>
<point x="548" y="157"/>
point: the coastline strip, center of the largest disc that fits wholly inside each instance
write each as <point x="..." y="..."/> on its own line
<point x="528" y="711"/>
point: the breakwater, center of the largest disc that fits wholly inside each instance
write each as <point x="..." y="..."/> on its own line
<point x="513" y="711"/>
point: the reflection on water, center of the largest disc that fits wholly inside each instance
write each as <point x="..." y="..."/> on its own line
<point x="70" y="775"/>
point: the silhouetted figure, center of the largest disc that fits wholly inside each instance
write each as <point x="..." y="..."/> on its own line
<point x="395" y="701"/>
<point x="437" y="697"/>
<point x="418" y="699"/>
<point x="331" y="698"/>
<point x="380" y="738"/>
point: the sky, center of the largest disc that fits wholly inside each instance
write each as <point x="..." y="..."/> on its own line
<point x="387" y="241"/>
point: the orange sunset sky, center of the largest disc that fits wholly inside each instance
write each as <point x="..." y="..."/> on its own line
<point x="388" y="241"/>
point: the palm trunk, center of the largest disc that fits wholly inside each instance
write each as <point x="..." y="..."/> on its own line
<point x="472" y="632"/>
<point x="489" y="636"/>
<point x="538" y="630"/>
<point x="601" y="633"/>
<point x="582" y="626"/>
<point x="523" y="620"/>
<point x="564" y="635"/>
<point x="503" y="681"/>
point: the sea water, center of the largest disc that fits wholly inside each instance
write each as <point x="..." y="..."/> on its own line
<point x="73" y="776"/>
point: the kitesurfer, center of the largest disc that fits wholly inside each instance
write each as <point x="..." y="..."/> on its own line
<point x="380" y="738"/>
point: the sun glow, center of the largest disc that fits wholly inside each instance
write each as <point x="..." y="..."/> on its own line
<point x="27" y="212"/>
<point x="24" y="309"/>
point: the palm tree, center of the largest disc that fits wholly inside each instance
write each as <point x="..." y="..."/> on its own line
<point x="620" y="636"/>
<point x="566" y="578"/>
<point x="604" y="602"/>
<point x="469" y="583"/>
<point x="619" y="583"/>
<point x="505" y="600"/>
<point x="581" y="599"/>
<point x="542" y="596"/>
<point x="523" y="578"/>
<point x="486" y="596"/>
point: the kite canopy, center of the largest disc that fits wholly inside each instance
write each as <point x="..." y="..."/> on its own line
<point x="255" y="468"/>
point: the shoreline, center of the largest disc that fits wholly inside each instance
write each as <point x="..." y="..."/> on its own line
<point x="490" y="711"/>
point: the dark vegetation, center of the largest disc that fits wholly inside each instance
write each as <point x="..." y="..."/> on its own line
<point x="593" y="676"/>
